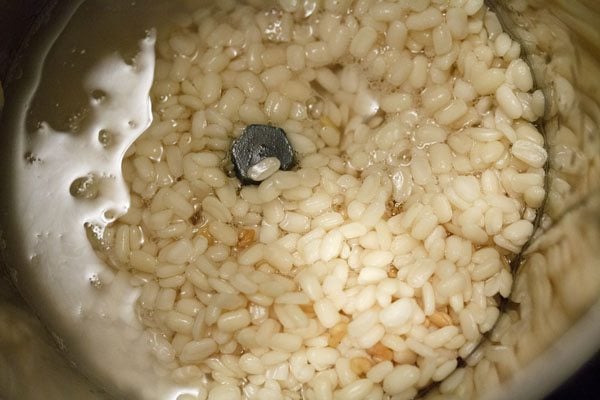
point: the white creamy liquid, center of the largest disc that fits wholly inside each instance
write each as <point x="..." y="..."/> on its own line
<point x="87" y="306"/>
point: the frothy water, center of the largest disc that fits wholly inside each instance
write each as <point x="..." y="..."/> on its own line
<point x="67" y="185"/>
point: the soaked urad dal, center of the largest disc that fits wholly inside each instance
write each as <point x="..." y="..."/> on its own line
<point x="375" y="264"/>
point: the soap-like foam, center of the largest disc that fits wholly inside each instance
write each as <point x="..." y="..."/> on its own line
<point x="69" y="186"/>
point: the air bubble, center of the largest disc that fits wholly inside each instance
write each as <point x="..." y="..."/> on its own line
<point x="98" y="95"/>
<point x="315" y="107"/>
<point x="110" y="215"/>
<point x="31" y="158"/>
<point x="95" y="281"/>
<point x="401" y="157"/>
<point x="85" y="187"/>
<point x="75" y="121"/>
<point x="130" y="60"/>
<point x="95" y="235"/>
<point x="405" y="157"/>
<point x="105" y="138"/>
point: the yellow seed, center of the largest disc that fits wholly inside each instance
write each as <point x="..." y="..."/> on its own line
<point x="360" y="365"/>
<point x="327" y="122"/>
<point x="308" y="309"/>
<point x="440" y="319"/>
<point x="203" y="231"/>
<point x="337" y="333"/>
<point x="380" y="353"/>
<point x="245" y="238"/>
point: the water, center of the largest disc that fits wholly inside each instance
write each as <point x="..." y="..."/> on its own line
<point x="81" y="101"/>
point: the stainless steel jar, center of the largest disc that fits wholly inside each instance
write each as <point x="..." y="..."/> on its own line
<point x="551" y="324"/>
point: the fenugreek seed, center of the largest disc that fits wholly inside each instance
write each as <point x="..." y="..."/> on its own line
<point x="440" y="319"/>
<point x="245" y="238"/>
<point x="360" y="365"/>
<point x="337" y="333"/>
<point x="380" y="353"/>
